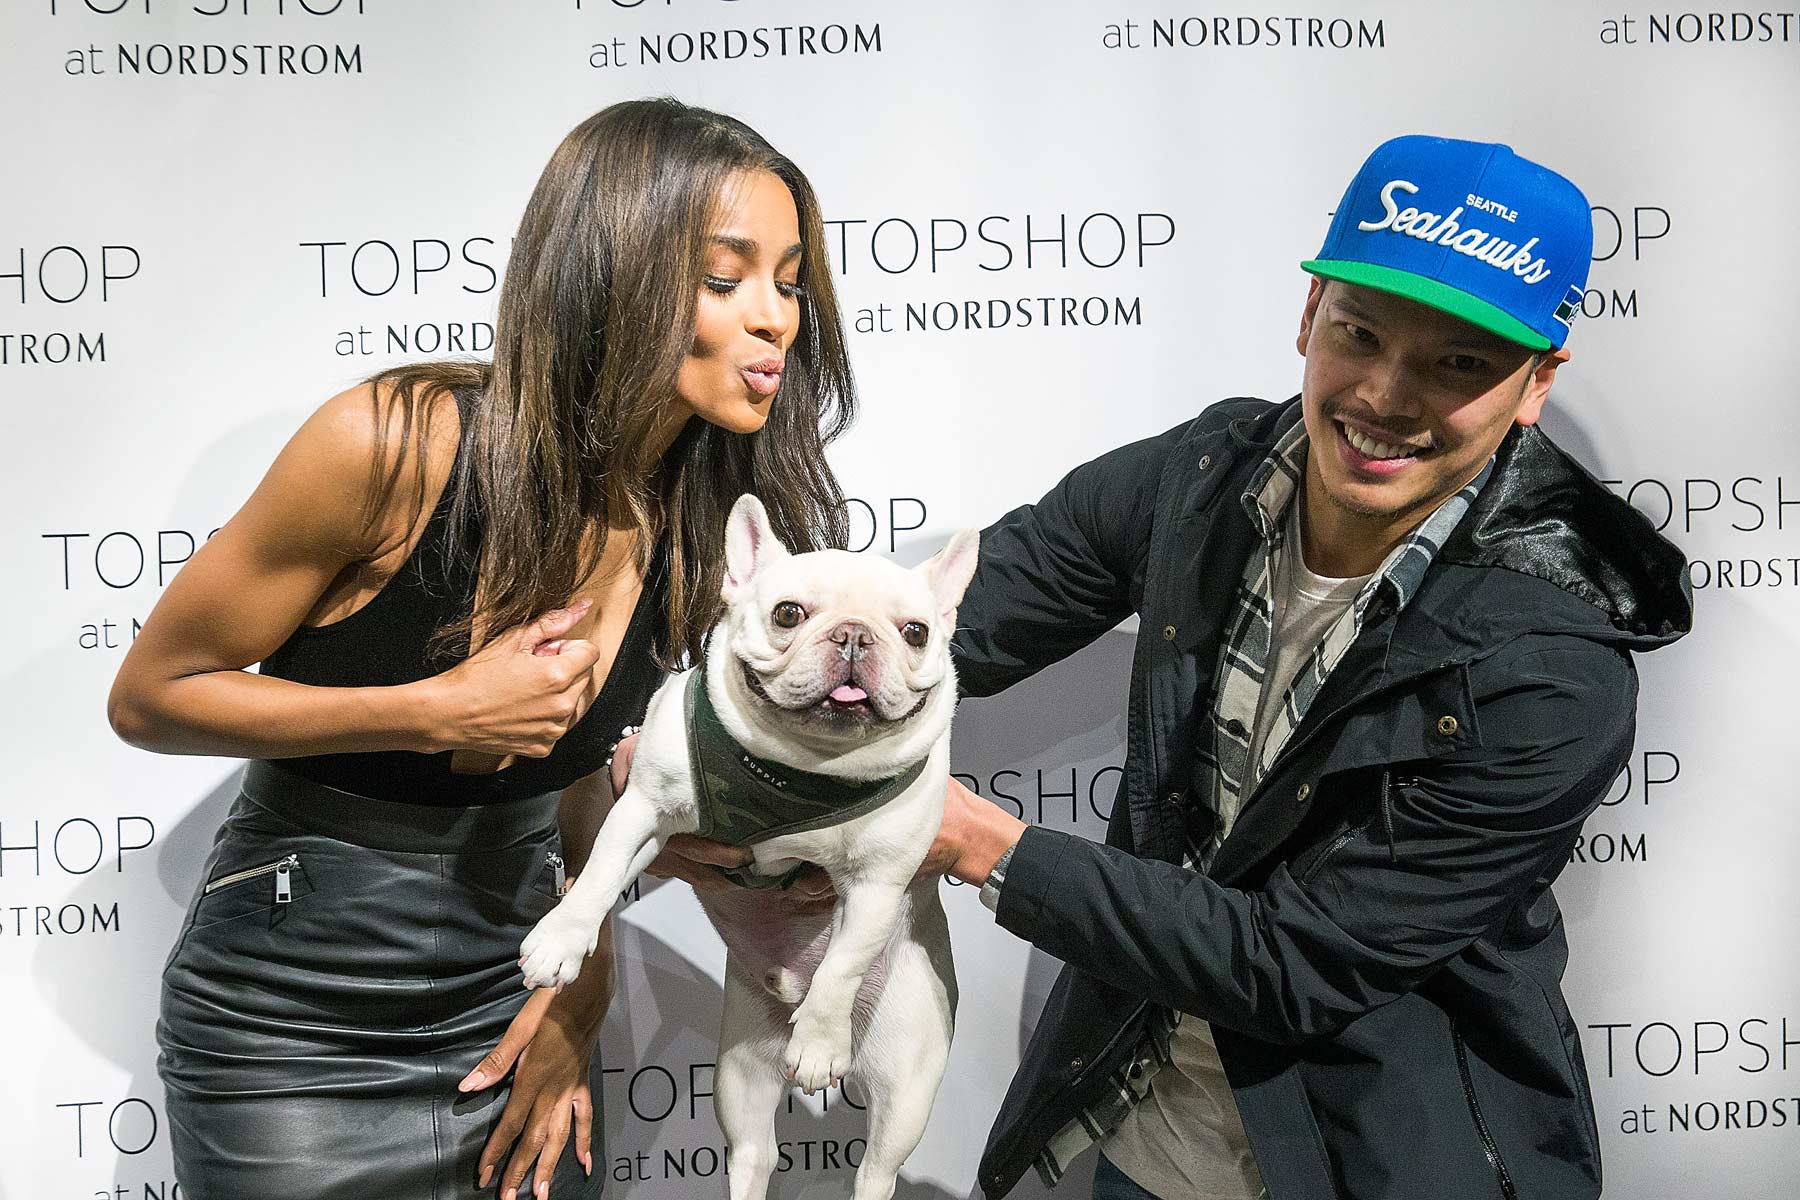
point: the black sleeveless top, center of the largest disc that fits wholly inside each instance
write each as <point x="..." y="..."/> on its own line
<point x="387" y="642"/>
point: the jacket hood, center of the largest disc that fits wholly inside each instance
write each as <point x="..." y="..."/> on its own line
<point x="1544" y="516"/>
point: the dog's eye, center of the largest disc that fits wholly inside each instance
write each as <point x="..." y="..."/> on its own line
<point x="788" y="615"/>
<point x="915" y="633"/>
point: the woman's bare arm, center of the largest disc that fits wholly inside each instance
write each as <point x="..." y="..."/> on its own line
<point x="184" y="687"/>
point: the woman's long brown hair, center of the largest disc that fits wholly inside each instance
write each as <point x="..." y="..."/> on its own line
<point x="596" y="314"/>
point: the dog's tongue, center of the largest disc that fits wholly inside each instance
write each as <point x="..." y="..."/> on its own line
<point x="848" y="693"/>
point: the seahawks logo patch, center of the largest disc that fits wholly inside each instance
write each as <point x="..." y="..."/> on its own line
<point x="1570" y="308"/>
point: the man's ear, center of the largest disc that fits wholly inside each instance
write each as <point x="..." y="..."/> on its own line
<point x="1537" y="387"/>
<point x="1314" y="293"/>
<point x="750" y="544"/>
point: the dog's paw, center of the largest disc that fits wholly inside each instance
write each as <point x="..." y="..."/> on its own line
<point x="818" y="1054"/>
<point x="552" y="953"/>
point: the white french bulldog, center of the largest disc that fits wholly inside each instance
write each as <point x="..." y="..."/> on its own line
<point x="829" y="681"/>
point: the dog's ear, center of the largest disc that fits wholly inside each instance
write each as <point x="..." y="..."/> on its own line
<point x="950" y="569"/>
<point x="750" y="545"/>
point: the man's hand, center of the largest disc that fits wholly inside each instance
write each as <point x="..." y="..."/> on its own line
<point x="692" y="859"/>
<point x="973" y="835"/>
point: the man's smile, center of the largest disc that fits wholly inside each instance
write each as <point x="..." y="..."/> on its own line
<point x="1373" y="453"/>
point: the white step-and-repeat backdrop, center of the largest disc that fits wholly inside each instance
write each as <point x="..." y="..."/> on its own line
<point x="1057" y="226"/>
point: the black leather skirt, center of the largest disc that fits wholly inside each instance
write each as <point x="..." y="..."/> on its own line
<point x="345" y="963"/>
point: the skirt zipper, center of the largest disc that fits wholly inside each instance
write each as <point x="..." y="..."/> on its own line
<point x="284" y="889"/>
<point x="558" y="873"/>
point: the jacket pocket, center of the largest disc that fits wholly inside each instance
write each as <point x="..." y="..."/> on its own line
<point x="1501" y="1175"/>
<point x="1324" y="856"/>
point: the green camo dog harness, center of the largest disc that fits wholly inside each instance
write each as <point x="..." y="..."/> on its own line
<point x="744" y="800"/>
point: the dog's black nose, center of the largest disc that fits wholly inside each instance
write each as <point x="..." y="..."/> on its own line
<point x="852" y="630"/>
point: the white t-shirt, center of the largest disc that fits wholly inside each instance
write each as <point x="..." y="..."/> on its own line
<point x="1185" y="1138"/>
<point x="1306" y="607"/>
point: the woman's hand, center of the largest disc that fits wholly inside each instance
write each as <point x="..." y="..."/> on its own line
<point x="519" y="693"/>
<point x="550" y="1044"/>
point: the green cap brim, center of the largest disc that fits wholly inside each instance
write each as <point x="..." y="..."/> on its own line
<point x="1430" y="292"/>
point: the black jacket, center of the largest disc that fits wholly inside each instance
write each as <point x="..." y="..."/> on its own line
<point x="1376" y="944"/>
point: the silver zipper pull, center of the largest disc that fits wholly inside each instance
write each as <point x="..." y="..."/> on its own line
<point x="558" y="875"/>
<point x="284" y="886"/>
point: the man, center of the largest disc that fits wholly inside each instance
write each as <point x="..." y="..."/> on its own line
<point x="1382" y="678"/>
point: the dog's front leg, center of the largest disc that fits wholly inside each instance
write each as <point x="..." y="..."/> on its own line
<point x="818" y="1054"/>
<point x="633" y="834"/>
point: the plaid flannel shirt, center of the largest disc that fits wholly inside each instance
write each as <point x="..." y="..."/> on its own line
<point x="1224" y="752"/>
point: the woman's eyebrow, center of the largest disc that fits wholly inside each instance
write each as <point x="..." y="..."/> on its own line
<point x="750" y="247"/>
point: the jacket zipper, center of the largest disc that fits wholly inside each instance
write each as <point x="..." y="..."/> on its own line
<point x="284" y="890"/>
<point x="1487" y="1140"/>
<point x="559" y="875"/>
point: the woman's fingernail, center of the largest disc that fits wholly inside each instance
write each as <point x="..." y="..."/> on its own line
<point x="475" y="1080"/>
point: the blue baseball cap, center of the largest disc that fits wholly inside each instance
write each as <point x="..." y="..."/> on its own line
<point x="1469" y="228"/>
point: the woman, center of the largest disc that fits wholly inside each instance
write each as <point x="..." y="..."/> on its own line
<point x="667" y="338"/>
